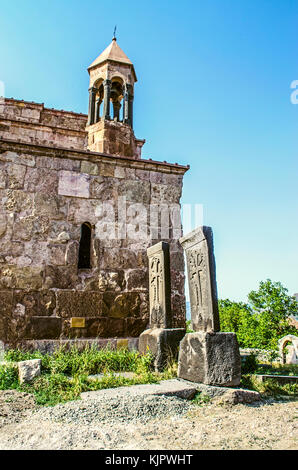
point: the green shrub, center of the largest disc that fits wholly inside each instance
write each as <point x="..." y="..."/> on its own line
<point x="50" y="389"/>
<point x="278" y="369"/>
<point x="188" y="327"/>
<point x="8" y="377"/>
<point x="262" y="321"/>
<point x="65" y="373"/>
<point x="16" y="355"/>
<point x="249" y="364"/>
<point x="93" y="361"/>
<point x="268" y="388"/>
<point x="88" y="361"/>
<point x="201" y="399"/>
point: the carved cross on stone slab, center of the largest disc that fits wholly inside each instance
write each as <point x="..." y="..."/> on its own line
<point x="198" y="246"/>
<point x="159" y="286"/>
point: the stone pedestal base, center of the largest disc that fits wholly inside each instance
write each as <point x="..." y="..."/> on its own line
<point x="163" y="344"/>
<point x="210" y="358"/>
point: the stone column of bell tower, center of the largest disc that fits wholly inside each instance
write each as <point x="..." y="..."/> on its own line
<point x="110" y="115"/>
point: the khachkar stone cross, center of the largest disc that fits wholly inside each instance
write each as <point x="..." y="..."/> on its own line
<point x="206" y="356"/>
<point x="159" y="286"/>
<point x="160" y="338"/>
<point x="198" y="246"/>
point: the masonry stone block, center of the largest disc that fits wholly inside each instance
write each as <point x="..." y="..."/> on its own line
<point x="210" y="358"/>
<point x="41" y="180"/>
<point x="41" y="327"/>
<point x="163" y="343"/>
<point x="79" y="303"/>
<point x="50" y="184"/>
<point x="16" y="175"/>
<point x="29" y="370"/>
<point x="73" y="184"/>
<point x="198" y="246"/>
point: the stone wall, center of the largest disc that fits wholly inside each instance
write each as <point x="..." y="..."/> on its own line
<point x="33" y="123"/>
<point x="46" y="194"/>
<point x="114" y="138"/>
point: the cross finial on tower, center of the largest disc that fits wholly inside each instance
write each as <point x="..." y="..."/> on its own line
<point x="114" y="36"/>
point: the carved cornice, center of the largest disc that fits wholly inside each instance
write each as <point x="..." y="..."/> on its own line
<point x="62" y="152"/>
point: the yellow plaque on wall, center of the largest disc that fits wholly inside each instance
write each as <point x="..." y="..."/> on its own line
<point x="77" y="322"/>
<point x="122" y="343"/>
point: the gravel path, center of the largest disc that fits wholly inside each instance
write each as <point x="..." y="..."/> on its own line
<point x="148" y="422"/>
<point x="116" y="410"/>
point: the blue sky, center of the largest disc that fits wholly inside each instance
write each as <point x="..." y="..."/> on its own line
<point x="213" y="91"/>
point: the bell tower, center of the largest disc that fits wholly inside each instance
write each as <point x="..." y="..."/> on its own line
<point x="110" y="113"/>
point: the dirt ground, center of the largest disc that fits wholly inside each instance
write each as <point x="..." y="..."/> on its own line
<point x="266" y="425"/>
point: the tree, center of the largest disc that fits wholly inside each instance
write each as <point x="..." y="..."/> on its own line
<point x="273" y="308"/>
<point x="237" y="317"/>
<point x="264" y="320"/>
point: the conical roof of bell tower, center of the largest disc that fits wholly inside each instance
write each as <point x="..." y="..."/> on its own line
<point x="112" y="53"/>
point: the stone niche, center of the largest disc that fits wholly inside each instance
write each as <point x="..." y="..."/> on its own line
<point x="47" y="194"/>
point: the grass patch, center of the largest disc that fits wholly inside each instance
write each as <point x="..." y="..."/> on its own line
<point x="277" y="369"/>
<point x="200" y="399"/>
<point x="188" y="327"/>
<point x="89" y="361"/>
<point x="269" y="388"/>
<point x="65" y="373"/>
<point x="8" y="377"/>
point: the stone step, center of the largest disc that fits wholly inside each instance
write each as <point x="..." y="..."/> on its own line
<point x="125" y="375"/>
<point x="173" y="387"/>
<point x="281" y="379"/>
<point x="178" y="388"/>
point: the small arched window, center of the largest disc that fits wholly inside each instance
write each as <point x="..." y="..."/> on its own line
<point x="85" y="247"/>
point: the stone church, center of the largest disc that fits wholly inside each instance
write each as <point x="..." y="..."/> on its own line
<point x="79" y="208"/>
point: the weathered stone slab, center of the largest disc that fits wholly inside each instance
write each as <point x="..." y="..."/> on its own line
<point x="20" y="159"/>
<point x="41" y="327"/>
<point x="111" y="281"/>
<point x="162" y="193"/>
<point x="29" y="370"/>
<point x="16" y="175"/>
<point x="235" y="396"/>
<point x="79" y="304"/>
<point x="280" y="379"/>
<point x="137" y="279"/>
<point x="159" y="286"/>
<point x="135" y="326"/>
<point x="89" y="168"/>
<point x="122" y="305"/>
<point x="198" y="246"/>
<point x="163" y="344"/>
<point x="2" y="351"/>
<point x="48" y="205"/>
<point x="41" y="180"/>
<point x="172" y="387"/>
<point x="73" y="184"/>
<point x="29" y="278"/>
<point x="36" y="303"/>
<point x="135" y="191"/>
<point x="224" y="395"/>
<point x="3" y="224"/>
<point x="60" y="277"/>
<point x="48" y="346"/>
<point x="125" y="375"/>
<point x="96" y="327"/>
<point x="179" y="388"/>
<point x="210" y="358"/>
